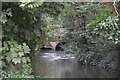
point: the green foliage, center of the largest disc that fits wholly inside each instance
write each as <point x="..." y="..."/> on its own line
<point x="24" y="25"/>
<point x="15" y="74"/>
<point x="12" y="52"/>
<point x="13" y="58"/>
<point x="30" y="27"/>
<point x="95" y="41"/>
<point x="92" y="33"/>
<point x="107" y="27"/>
<point x="102" y="16"/>
<point x="30" y="5"/>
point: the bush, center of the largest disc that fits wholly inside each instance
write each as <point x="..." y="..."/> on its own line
<point x="15" y="59"/>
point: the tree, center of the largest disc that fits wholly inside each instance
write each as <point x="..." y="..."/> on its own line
<point x="96" y="40"/>
<point x="24" y="28"/>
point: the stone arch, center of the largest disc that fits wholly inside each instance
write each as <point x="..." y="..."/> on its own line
<point x="57" y="45"/>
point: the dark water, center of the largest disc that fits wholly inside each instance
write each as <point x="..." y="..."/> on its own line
<point x="55" y="65"/>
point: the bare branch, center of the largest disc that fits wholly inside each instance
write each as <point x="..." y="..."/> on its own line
<point x="114" y="4"/>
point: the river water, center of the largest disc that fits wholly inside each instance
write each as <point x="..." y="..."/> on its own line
<point x="52" y="64"/>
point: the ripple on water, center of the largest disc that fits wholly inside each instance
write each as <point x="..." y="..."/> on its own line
<point x="56" y="56"/>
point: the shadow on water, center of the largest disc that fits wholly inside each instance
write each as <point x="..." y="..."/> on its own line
<point x="55" y="65"/>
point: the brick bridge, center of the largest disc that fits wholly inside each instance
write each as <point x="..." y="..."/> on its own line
<point x="57" y="33"/>
<point x="56" y="45"/>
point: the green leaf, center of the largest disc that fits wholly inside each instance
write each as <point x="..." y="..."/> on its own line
<point x="20" y="54"/>
<point x="100" y="17"/>
<point x="14" y="54"/>
<point x="19" y="47"/>
<point x="26" y="48"/>
<point x="9" y="56"/>
<point x="16" y="60"/>
<point x="24" y="60"/>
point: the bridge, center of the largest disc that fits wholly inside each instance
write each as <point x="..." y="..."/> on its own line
<point x="57" y="33"/>
<point x="57" y="45"/>
<point x="54" y="45"/>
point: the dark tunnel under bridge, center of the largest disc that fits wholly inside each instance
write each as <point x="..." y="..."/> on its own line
<point x="57" y="45"/>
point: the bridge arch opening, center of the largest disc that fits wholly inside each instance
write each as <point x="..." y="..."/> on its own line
<point x="59" y="46"/>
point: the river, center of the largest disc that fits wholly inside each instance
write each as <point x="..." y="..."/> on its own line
<point x="52" y="64"/>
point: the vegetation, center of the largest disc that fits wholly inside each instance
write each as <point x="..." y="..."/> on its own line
<point x="95" y="42"/>
<point x="25" y="30"/>
<point x="92" y="33"/>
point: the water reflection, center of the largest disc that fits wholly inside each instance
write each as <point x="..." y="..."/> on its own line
<point x="55" y="65"/>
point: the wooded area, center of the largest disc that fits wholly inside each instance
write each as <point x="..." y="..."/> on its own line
<point x="92" y="33"/>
